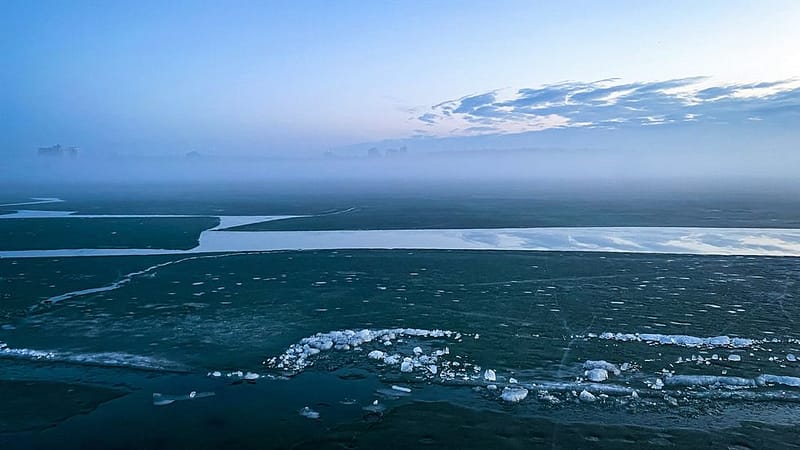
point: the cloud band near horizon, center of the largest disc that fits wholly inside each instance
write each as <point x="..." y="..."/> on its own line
<point x="611" y="104"/>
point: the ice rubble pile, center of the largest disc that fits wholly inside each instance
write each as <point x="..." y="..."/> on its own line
<point x="301" y="355"/>
<point x="438" y="364"/>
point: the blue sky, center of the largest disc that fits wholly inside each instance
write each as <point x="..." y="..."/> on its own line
<point x="298" y="78"/>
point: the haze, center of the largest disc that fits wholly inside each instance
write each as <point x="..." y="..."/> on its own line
<point x="520" y="90"/>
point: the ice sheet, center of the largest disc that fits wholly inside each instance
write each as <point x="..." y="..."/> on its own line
<point x="669" y="240"/>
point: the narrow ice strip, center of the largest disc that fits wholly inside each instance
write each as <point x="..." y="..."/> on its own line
<point x="224" y="221"/>
<point x="664" y="240"/>
<point x="167" y="399"/>
<point x="709" y="381"/>
<point x="682" y="340"/>
<point x="35" y="201"/>
<point x="103" y="359"/>
<point x="625" y="391"/>
<point x="42" y="214"/>
<point x="731" y="382"/>
<point x="129" y="277"/>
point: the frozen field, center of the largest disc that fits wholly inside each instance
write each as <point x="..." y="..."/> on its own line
<point x="604" y="336"/>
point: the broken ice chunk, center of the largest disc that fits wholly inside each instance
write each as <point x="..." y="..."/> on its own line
<point x="392" y="360"/>
<point x="309" y="413"/>
<point x="605" y="365"/>
<point x="489" y="375"/>
<point x="597" y="375"/>
<point x="376" y="354"/>
<point x="514" y="394"/>
<point x="586" y="396"/>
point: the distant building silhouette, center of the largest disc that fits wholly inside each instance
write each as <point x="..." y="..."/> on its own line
<point x="58" y="151"/>
<point x="396" y="151"/>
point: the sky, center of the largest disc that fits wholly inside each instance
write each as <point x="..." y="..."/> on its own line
<point x="298" y="78"/>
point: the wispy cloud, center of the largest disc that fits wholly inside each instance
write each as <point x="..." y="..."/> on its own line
<point x="612" y="104"/>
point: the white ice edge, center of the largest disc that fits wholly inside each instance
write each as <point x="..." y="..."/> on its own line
<point x="661" y="240"/>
